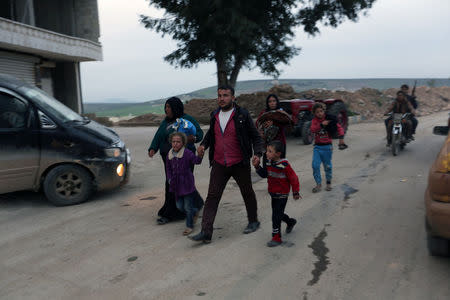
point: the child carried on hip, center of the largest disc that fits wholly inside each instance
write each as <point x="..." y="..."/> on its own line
<point x="324" y="127"/>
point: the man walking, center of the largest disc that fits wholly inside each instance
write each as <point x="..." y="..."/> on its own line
<point x="230" y="139"/>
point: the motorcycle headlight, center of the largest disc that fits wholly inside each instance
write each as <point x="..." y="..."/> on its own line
<point x="112" y="152"/>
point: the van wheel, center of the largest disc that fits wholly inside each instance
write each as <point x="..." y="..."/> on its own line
<point x="67" y="185"/>
<point x="438" y="246"/>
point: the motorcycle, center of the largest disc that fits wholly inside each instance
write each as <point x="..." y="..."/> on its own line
<point x="399" y="138"/>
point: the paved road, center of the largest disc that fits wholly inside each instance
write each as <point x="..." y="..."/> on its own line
<point x="363" y="240"/>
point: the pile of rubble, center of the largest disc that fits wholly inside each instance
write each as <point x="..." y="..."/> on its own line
<point x="142" y="120"/>
<point x="367" y="102"/>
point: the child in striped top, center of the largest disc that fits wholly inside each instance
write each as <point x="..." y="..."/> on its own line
<point x="280" y="177"/>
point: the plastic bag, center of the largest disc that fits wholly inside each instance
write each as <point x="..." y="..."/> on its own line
<point x="185" y="126"/>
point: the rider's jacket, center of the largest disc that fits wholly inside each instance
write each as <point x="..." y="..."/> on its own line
<point x="398" y="107"/>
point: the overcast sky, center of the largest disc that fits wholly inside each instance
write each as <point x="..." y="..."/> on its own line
<point x="397" y="39"/>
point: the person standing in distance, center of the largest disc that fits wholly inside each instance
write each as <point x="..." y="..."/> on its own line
<point x="232" y="139"/>
<point x="413" y="100"/>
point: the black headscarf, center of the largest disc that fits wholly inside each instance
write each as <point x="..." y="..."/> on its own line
<point x="177" y="108"/>
<point x="267" y="102"/>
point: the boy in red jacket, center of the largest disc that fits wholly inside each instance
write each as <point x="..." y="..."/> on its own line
<point x="280" y="177"/>
<point x="323" y="127"/>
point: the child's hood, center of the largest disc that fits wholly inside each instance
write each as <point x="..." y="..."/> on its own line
<point x="178" y="155"/>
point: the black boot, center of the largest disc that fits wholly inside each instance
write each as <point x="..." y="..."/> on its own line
<point x="251" y="227"/>
<point x="291" y="225"/>
<point x="201" y="237"/>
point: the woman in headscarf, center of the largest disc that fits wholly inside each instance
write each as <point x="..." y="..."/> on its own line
<point x="174" y="109"/>
<point x="272" y="130"/>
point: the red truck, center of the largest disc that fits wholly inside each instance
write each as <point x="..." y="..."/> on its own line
<point x="301" y="113"/>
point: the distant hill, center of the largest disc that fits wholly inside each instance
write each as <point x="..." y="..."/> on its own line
<point x="251" y="86"/>
<point x="123" y="109"/>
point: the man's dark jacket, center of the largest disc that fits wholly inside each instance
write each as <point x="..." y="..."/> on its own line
<point x="246" y="132"/>
<point x="413" y="100"/>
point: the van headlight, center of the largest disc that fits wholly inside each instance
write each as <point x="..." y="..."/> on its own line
<point x="120" y="169"/>
<point x="112" y="152"/>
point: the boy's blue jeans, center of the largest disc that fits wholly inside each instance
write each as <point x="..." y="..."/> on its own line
<point x="322" y="154"/>
<point x="186" y="204"/>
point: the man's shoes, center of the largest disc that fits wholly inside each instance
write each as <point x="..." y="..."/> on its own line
<point x="251" y="227"/>
<point x="201" y="237"/>
<point x="291" y="225"/>
<point x="275" y="241"/>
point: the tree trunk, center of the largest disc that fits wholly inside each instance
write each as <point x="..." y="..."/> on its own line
<point x="235" y="72"/>
<point x="222" y="78"/>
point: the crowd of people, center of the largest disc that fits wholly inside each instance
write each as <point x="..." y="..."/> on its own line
<point x="235" y="143"/>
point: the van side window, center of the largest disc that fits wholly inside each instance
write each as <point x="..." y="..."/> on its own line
<point x="13" y="112"/>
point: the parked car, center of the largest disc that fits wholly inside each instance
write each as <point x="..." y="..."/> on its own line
<point x="301" y="113"/>
<point x="45" y="145"/>
<point x="437" y="199"/>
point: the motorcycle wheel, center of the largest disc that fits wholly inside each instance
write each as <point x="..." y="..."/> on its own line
<point x="395" y="144"/>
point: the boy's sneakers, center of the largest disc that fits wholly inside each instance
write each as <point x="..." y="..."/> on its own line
<point x="342" y="146"/>
<point x="251" y="227"/>
<point x="317" y="189"/>
<point x="291" y="225"/>
<point x="201" y="237"/>
<point x="276" y="241"/>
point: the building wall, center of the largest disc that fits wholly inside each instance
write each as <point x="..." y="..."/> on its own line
<point x="18" y="10"/>
<point x="87" y="21"/>
<point x="77" y="18"/>
<point x="55" y="15"/>
<point x="57" y="57"/>
<point x="67" y="85"/>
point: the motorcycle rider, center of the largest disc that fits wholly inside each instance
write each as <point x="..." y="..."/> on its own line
<point x="413" y="99"/>
<point x="401" y="105"/>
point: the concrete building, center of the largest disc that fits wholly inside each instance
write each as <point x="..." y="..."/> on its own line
<point x="44" y="41"/>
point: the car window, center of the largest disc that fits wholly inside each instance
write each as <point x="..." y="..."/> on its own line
<point x="50" y="104"/>
<point x="13" y="112"/>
